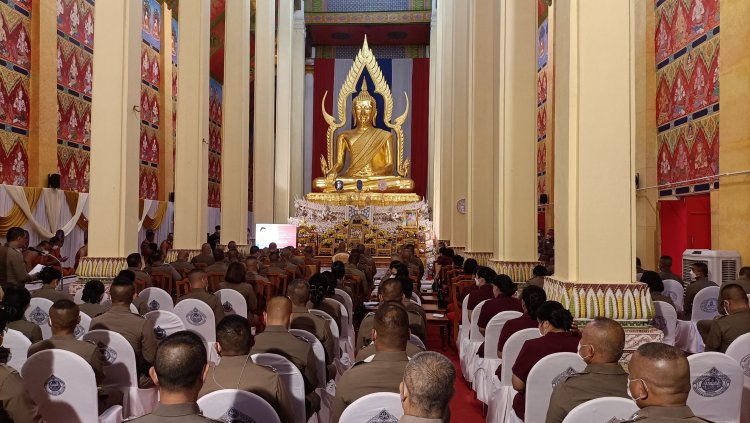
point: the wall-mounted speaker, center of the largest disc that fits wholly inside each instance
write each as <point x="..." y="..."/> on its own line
<point x="543" y="199"/>
<point x="53" y="180"/>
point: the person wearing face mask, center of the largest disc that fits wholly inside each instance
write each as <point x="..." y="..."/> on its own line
<point x="659" y="383"/>
<point x="483" y="278"/>
<point x="602" y="343"/>
<point x="699" y="275"/>
<point x="735" y="322"/>
<point x="555" y="324"/>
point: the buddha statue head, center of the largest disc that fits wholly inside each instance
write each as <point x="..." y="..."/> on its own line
<point x="364" y="108"/>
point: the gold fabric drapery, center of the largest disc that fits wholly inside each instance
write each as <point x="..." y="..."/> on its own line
<point x="16" y="217"/>
<point x="71" y="197"/>
<point x="156" y="221"/>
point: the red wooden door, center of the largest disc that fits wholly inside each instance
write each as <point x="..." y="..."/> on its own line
<point x="685" y="224"/>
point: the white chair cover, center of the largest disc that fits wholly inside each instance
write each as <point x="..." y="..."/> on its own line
<point x="326" y="398"/>
<point x="346" y="331"/>
<point x="687" y="337"/>
<point x="716" y="382"/>
<point x="500" y="408"/>
<point x="349" y="304"/>
<point x="78" y="297"/>
<point x="467" y="354"/>
<point x="232" y="301"/>
<point x="157" y="299"/>
<point x="666" y="321"/>
<point x="165" y="323"/>
<point x="63" y="385"/>
<point x="334" y="329"/>
<point x="415" y="298"/>
<point x="484" y="368"/>
<point x="602" y="410"/>
<point x="546" y="373"/>
<point x="233" y="405"/>
<point x="705" y="304"/>
<point x="740" y="351"/>
<point x="676" y="292"/>
<point x="292" y="380"/>
<point x="414" y="339"/>
<point x="83" y="326"/>
<point x="38" y="314"/>
<point x="463" y="328"/>
<point x="120" y="372"/>
<point x="197" y="317"/>
<point x="134" y="309"/>
<point x="18" y="344"/>
<point x="378" y="407"/>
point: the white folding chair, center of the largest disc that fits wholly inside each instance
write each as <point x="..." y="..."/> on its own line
<point x="78" y="297"/>
<point x="416" y="299"/>
<point x="602" y="410"/>
<point x="165" y="323"/>
<point x="232" y="301"/>
<point x="234" y="405"/>
<point x="134" y="309"/>
<point x="347" y="302"/>
<point x="501" y="407"/>
<point x="326" y="398"/>
<point x="485" y="368"/>
<point x="63" y="385"/>
<point x="18" y="344"/>
<point x="705" y="304"/>
<point x="197" y="317"/>
<point x="414" y="339"/>
<point x="377" y="407"/>
<point x="292" y="378"/>
<point x="665" y="320"/>
<point x="334" y="329"/>
<point x="546" y="373"/>
<point x="716" y="382"/>
<point x="467" y="354"/>
<point x="346" y="331"/>
<point x="739" y="350"/>
<point x="676" y="292"/>
<point x="38" y="313"/>
<point x="157" y="299"/>
<point x="463" y="329"/>
<point x="83" y="326"/>
<point x="120" y="372"/>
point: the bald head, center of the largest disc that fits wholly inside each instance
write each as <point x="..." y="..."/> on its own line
<point x="279" y="312"/>
<point x="391" y="290"/>
<point x="428" y="385"/>
<point x="183" y="255"/>
<point x="733" y="298"/>
<point x="64" y="315"/>
<point x="299" y="292"/>
<point x="198" y="279"/>
<point x="122" y="291"/>
<point x="602" y="341"/>
<point x="391" y="328"/>
<point x="665" y="372"/>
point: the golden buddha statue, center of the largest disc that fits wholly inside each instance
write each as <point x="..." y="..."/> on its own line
<point x="370" y="149"/>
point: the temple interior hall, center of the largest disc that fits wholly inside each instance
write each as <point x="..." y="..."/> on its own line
<point x="332" y="210"/>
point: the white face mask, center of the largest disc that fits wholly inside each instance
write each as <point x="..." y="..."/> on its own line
<point x="630" y="394"/>
<point x="692" y="275"/>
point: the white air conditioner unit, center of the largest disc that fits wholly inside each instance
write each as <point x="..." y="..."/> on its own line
<point x="723" y="265"/>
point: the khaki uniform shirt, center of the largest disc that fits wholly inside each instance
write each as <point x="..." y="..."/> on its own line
<point x="93" y="310"/>
<point x="331" y="308"/>
<point x="180" y="413"/>
<point x="141" y="305"/>
<point x="411" y="351"/>
<point x="744" y="283"/>
<point x="138" y="331"/>
<point x="725" y="329"/>
<point x="273" y="268"/>
<point x="665" y="415"/>
<point x="239" y="372"/>
<point x="670" y="275"/>
<point x="50" y="293"/>
<point x="182" y="266"/>
<point x="595" y="381"/>
<point x="210" y="299"/>
<point x="363" y="285"/>
<point x="318" y="326"/>
<point x="15" y="268"/>
<point x="142" y="276"/>
<point x="383" y="374"/>
<point x="17" y="405"/>
<point x="208" y="259"/>
<point x="85" y="349"/>
<point x="30" y="330"/>
<point x="165" y="269"/>
<point x="364" y="336"/>
<point x="217" y="267"/>
<point x="691" y="291"/>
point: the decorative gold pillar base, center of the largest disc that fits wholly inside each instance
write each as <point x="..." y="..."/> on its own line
<point x="172" y="254"/>
<point x="482" y="258"/>
<point x="362" y="198"/>
<point x="519" y="271"/>
<point x="102" y="268"/>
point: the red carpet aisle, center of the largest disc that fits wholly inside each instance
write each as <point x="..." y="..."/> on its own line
<point x="464" y="407"/>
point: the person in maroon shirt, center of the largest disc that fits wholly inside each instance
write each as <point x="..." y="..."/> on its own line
<point x="483" y="279"/>
<point x="532" y="298"/>
<point x="555" y="323"/>
<point x="503" y="289"/>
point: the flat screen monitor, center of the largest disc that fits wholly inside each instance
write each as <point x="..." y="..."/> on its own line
<point x="282" y="235"/>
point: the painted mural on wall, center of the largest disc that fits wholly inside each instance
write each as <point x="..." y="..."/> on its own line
<point x="15" y="69"/>
<point x="75" y="72"/>
<point x="686" y="44"/>
<point x="214" y="143"/>
<point x="175" y="42"/>
<point x="150" y="144"/>
<point x="542" y="135"/>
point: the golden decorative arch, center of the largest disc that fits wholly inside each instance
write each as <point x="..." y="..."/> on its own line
<point x="365" y="60"/>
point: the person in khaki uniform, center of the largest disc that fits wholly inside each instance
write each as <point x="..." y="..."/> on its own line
<point x="602" y="343"/>
<point x="386" y="370"/>
<point x="219" y="266"/>
<point x="198" y="285"/>
<point x="235" y="279"/>
<point x="351" y="268"/>
<point x="181" y="264"/>
<point x="92" y="296"/>
<point x="411" y="351"/>
<point x="179" y="371"/>
<point x="427" y="388"/>
<point x="389" y="290"/>
<point x="15" y="302"/>
<point x="743" y="280"/>
<point x="659" y="383"/>
<point x="15" y="403"/>
<point x="725" y="329"/>
<point x="50" y="278"/>
<point x="138" y="331"/>
<point x="135" y="264"/>
<point x="299" y="293"/>
<point x="206" y="256"/>
<point x="700" y="270"/>
<point x="12" y="267"/>
<point x="236" y="369"/>
<point x="276" y="339"/>
<point x="274" y="265"/>
<point x="159" y="267"/>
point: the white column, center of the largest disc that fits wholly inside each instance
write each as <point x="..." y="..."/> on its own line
<point x="443" y="189"/>
<point x="284" y="112"/>
<point x="236" y="125"/>
<point x="113" y="199"/>
<point x="298" y="108"/>
<point x="191" y="167"/>
<point x="265" y="104"/>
